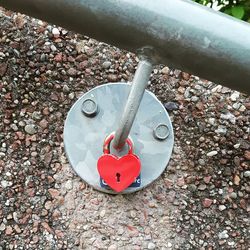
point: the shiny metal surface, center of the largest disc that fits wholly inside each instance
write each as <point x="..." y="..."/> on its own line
<point x="179" y="33"/>
<point x="84" y="136"/>
<point x="138" y="87"/>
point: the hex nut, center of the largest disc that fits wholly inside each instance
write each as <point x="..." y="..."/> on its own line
<point x="161" y="132"/>
<point x="89" y="108"/>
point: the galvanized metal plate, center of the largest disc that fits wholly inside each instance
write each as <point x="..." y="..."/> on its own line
<point x="84" y="135"/>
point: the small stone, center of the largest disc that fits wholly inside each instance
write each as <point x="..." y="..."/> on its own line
<point x="3" y="68"/>
<point x="181" y="182"/>
<point x="221" y="130"/>
<point x="14" y="127"/>
<point x="48" y="205"/>
<point x="235" y="96"/>
<point x="54" y="192"/>
<point x="106" y="65"/>
<point x="56" y="32"/>
<point x="65" y="88"/>
<point x="207" y="202"/>
<point x="207" y="179"/>
<point x="43" y="57"/>
<point x="242" y="108"/>
<point x="223" y="235"/>
<point x="5" y="184"/>
<point x="222" y="207"/>
<point x="233" y="195"/>
<point x="228" y="116"/>
<point x="202" y="187"/>
<point x="212" y="153"/>
<point x="112" y="247"/>
<point x="43" y="123"/>
<point x="236" y="180"/>
<point x="8" y="230"/>
<point x="227" y="171"/>
<point x="112" y="78"/>
<point x="247" y="174"/>
<point x="102" y="213"/>
<point x="17" y="229"/>
<point x="151" y="245"/>
<point x="47" y="227"/>
<point x="170" y="106"/>
<point x="72" y="72"/>
<point x="192" y="187"/>
<point x="53" y="48"/>
<point x="58" y="57"/>
<point x="185" y="76"/>
<point x="2" y="227"/>
<point x="35" y="239"/>
<point x="30" y="129"/>
<point x="194" y="98"/>
<point x="165" y="70"/>
<point x="236" y="146"/>
<point x="71" y="96"/>
<point x="247" y="154"/>
<point x="211" y="121"/>
<point x="69" y="185"/>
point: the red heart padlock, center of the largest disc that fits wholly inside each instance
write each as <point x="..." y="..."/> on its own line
<point x="118" y="172"/>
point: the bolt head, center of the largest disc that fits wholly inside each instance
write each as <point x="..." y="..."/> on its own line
<point x="89" y="108"/>
<point x="161" y="132"/>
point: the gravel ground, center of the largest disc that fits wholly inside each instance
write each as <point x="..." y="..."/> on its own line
<point x="200" y="202"/>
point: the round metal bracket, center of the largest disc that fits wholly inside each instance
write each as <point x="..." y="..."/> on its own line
<point x="84" y="135"/>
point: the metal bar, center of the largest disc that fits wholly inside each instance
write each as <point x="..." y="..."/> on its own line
<point x="138" y="87"/>
<point x="181" y="33"/>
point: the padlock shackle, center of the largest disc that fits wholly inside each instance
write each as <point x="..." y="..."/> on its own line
<point x="106" y="144"/>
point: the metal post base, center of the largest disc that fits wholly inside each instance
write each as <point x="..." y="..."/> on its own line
<point x="96" y="114"/>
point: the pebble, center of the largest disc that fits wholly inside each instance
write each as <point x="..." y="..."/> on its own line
<point x="8" y="230"/>
<point x="14" y="127"/>
<point x="56" y="32"/>
<point x="212" y="153"/>
<point x="223" y="235"/>
<point x="247" y="154"/>
<point x="71" y="96"/>
<point x="170" y="106"/>
<point x="102" y="213"/>
<point x="2" y="227"/>
<point x="165" y="70"/>
<point x="222" y="207"/>
<point x="30" y="129"/>
<point x="234" y="96"/>
<point x="151" y="245"/>
<point x="207" y="202"/>
<point x="247" y="174"/>
<point x="106" y="65"/>
<point x="69" y="185"/>
<point x="53" y="48"/>
<point x="233" y="195"/>
<point x="6" y="184"/>
<point x="221" y="130"/>
<point x="242" y="108"/>
<point x="228" y="116"/>
<point x="113" y="247"/>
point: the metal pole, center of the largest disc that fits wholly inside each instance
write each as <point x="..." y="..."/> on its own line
<point x="138" y="87"/>
<point x="181" y="33"/>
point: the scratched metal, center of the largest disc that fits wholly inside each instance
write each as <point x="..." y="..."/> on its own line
<point x="179" y="33"/>
<point x="84" y="136"/>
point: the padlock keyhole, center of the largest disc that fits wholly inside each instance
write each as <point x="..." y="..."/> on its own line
<point x="118" y="177"/>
